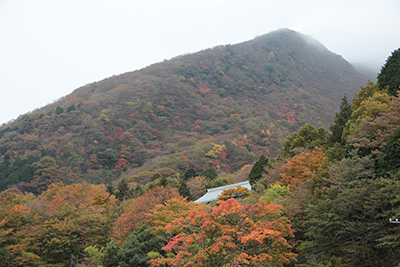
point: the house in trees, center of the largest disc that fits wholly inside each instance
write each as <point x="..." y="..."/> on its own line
<point x="214" y="193"/>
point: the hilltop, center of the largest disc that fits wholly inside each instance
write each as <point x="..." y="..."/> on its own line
<point x="220" y="108"/>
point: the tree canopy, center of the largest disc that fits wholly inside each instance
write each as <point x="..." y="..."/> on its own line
<point x="389" y="76"/>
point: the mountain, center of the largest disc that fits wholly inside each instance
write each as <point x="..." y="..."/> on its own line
<point x="366" y="71"/>
<point x="220" y="108"/>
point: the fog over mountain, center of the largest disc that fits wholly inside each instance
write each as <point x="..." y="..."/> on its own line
<point x="46" y="54"/>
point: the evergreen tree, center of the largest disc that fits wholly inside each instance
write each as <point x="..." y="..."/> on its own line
<point x="389" y="77"/>
<point x="123" y="190"/>
<point x="258" y="170"/>
<point x="189" y="174"/>
<point x="184" y="190"/>
<point x="209" y="173"/>
<point x="71" y="108"/>
<point x="391" y="153"/>
<point x="135" y="251"/>
<point x="352" y="220"/>
<point x="110" y="255"/>
<point x="110" y="189"/>
<point x="155" y="177"/>
<point x="163" y="181"/>
<point x="340" y="121"/>
<point x="59" y="110"/>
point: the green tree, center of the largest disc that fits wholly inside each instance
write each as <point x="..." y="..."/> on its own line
<point x="6" y="259"/>
<point x="71" y="108"/>
<point x="352" y="222"/>
<point x="110" y="158"/>
<point x="340" y="121"/>
<point x="110" y="189"/>
<point x="258" y="170"/>
<point x="59" y="110"/>
<point x="123" y="190"/>
<point x="189" y="174"/>
<point x="137" y="247"/>
<point x="307" y="137"/>
<point x="110" y="255"/>
<point x="184" y="189"/>
<point x="366" y="92"/>
<point x="389" y="76"/>
<point x="391" y="153"/>
<point x="135" y="250"/>
<point x="209" y="173"/>
<point x="367" y="110"/>
<point x="275" y="194"/>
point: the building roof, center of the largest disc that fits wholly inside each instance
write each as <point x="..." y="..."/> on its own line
<point x="214" y="193"/>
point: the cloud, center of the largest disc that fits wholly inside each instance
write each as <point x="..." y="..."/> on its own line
<point x="49" y="48"/>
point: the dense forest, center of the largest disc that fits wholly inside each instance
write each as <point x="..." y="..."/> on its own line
<point x="220" y="108"/>
<point x="107" y="175"/>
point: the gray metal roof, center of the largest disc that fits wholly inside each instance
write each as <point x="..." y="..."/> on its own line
<point x="214" y="193"/>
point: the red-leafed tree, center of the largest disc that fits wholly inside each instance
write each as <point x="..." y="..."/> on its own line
<point x="229" y="234"/>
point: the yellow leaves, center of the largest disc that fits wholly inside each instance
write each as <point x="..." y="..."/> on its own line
<point x="182" y="78"/>
<point x="206" y="140"/>
<point x="70" y="146"/>
<point x="219" y="69"/>
<point x="213" y="153"/>
<point x="237" y="192"/>
<point x="368" y="106"/>
<point x="125" y="150"/>
<point x="103" y="116"/>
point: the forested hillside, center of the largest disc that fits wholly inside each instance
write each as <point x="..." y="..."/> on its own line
<point x="329" y="196"/>
<point x="218" y="109"/>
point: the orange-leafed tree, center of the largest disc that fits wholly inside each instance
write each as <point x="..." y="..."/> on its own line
<point x="304" y="167"/>
<point x="46" y="230"/>
<point x="237" y="192"/>
<point x="137" y="213"/>
<point x="77" y="215"/>
<point x="229" y="234"/>
<point x="173" y="208"/>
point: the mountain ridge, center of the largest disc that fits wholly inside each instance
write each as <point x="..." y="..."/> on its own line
<point x="219" y="108"/>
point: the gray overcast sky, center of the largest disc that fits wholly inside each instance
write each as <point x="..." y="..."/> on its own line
<point x="48" y="48"/>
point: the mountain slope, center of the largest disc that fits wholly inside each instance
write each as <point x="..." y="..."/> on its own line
<point x="219" y="108"/>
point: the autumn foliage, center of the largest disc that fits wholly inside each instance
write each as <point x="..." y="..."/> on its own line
<point x="237" y="192"/>
<point x="230" y="234"/>
<point x="48" y="228"/>
<point x="303" y="167"/>
<point x="136" y="214"/>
